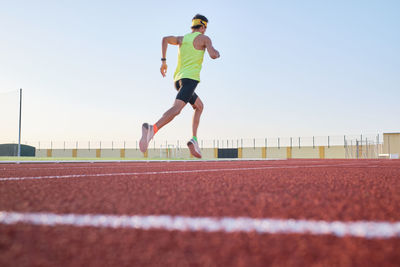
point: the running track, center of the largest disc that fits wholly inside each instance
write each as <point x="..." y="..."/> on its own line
<point x="197" y="213"/>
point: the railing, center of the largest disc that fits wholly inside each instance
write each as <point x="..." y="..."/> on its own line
<point x="278" y="142"/>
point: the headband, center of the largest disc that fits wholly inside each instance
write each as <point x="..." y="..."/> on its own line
<point x="196" y="22"/>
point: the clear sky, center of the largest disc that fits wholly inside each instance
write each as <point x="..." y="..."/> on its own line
<point x="90" y="69"/>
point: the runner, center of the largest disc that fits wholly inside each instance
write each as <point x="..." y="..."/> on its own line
<point x="187" y="75"/>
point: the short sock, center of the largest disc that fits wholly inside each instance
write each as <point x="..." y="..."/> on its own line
<point x="195" y="138"/>
<point x="155" y="128"/>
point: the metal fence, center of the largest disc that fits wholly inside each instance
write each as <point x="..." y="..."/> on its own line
<point x="312" y="141"/>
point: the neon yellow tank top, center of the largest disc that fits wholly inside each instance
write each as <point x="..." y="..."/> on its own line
<point x="189" y="59"/>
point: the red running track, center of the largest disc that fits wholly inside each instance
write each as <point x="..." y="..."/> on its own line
<point x="328" y="190"/>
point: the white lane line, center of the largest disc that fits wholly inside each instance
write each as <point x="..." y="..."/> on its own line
<point x="137" y="166"/>
<point x="93" y="166"/>
<point x="157" y="172"/>
<point x="362" y="229"/>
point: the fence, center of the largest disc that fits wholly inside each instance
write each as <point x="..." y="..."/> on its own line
<point x="346" y="146"/>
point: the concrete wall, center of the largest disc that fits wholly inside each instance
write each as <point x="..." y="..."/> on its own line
<point x="391" y="143"/>
<point x="251" y="153"/>
<point x="335" y="152"/>
<point x="305" y="152"/>
<point x="332" y="152"/>
<point x="276" y="153"/>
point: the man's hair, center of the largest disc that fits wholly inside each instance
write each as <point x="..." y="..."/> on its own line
<point x="198" y="16"/>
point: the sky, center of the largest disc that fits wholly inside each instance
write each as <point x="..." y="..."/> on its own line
<point x="89" y="70"/>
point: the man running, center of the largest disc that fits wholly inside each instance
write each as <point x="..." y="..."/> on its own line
<point x="187" y="75"/>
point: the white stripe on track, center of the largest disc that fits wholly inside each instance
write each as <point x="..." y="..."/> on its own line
<point x="160" y="172"/>
<point x="362" y="229"/>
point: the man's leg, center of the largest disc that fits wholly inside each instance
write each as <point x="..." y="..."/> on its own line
<point x="148" y="131"/>
<point x="193" y="144"/>
<point x="171" y="113"/>
<point x="198" y="109"/>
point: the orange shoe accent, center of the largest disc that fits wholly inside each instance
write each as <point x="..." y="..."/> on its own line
<point x="155" y="128"/>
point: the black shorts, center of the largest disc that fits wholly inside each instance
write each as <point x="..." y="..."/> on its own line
<point x="186" y="89"/>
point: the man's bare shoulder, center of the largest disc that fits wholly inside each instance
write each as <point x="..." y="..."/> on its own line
<point x="204" y="39"/>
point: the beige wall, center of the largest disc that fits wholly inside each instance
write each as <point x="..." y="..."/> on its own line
<point x="250" y="153"/>
<point x="81" y="153"/>
<point x="305" y="152"/>
<point x="133" y="153"/>
<point x="333" y="152"/>
<point x="276" y="153"/>
<point x="391" y="143"/>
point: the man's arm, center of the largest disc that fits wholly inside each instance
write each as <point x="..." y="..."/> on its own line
<point x="214" y="54"/>
<point x="173" y="40"/>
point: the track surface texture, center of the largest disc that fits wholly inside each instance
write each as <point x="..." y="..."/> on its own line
<point x="291" y="191"/>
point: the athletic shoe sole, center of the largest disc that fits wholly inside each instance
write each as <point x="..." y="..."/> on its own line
<point x="143" y="144"/>
<point x="193" y="151"/>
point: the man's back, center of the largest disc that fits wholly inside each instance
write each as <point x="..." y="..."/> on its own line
<point x="190" y="58"/>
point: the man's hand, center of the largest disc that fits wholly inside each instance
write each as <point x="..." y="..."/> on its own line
<point x="163" y="68"/>
<point x="217" y="54"/>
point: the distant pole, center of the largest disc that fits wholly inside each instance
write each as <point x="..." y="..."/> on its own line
<point x="20" y="110"/>
<point x="357" y="149"/>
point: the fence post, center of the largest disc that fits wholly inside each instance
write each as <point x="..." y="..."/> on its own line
<point x="328" y="142"/>
<point x="279" y="143"/>
<point x="299" y="142"/>
<point x="313" y="142"/>
<point x="290" y="142"/>
<point x="357" y="149"/>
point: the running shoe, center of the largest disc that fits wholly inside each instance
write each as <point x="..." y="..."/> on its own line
<point x="147" y="135"/>
<point x="194" y="148"/>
